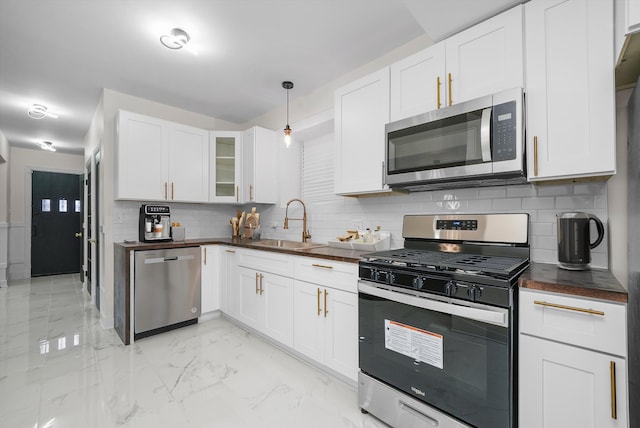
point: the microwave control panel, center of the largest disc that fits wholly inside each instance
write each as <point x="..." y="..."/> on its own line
<point x="503" y="131"/>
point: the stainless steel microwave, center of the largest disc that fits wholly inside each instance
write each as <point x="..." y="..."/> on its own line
<point x="474" y="143"/>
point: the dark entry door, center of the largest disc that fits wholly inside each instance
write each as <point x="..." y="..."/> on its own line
<point x="55" y="218"/>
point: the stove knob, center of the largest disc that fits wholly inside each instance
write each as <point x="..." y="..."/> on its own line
<point x="418" y="283"/>
<point x="474" y="292"/>
<point x="452" y="288"/>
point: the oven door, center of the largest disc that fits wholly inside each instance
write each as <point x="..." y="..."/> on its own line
<point x="455" y="357"/>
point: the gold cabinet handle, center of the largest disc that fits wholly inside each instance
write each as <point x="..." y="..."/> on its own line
<point x="91" y="241"/>
<point x="325" y="303"/>
<point x="319" y="294"/>
<point x="322" y="266"/>
<point x="438" y="84"/>
<point x="230" y="251"/>
<point x="450" y="95"/>
<point x="569" y="308"/>
<point x="535" y="155"/>
<point x="165" y="189"/>
<point x="237" y="194"/>
<point x="172" y="190"/>
<point x="205" y="255"/>
<point x="251" y="192"/>
<point x="261" y="289"/>
<point x="614" y="404"/>
<point x="257" y="289"/>
<point x="78" y="235"/>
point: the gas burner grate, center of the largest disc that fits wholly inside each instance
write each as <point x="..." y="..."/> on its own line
<point x="484" y="263"/>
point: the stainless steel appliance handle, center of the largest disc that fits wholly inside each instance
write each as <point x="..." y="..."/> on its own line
<point x="485" y="134"/>
<point x="404" y="406"/>
<point x="496" y="316"/>
<point x="167" y="259"/>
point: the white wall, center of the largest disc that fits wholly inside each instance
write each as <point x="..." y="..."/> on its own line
<point x="22" y="163"/>
<point x="4" y="212"/>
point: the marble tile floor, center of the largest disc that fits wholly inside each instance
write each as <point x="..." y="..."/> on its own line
<point x="59" y="368"/>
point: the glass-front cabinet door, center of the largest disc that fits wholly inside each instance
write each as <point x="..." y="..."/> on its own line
<point x="225" y="166"/>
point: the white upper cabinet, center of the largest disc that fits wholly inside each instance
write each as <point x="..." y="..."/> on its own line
<point x="142" y="157"/>
<point x="417" y="83"/>
<point x="259" y="166"/>
<point x="570" y="89"/>
<point x="225" y="163"/>
<point x="486" y="58"/>
<point x="188" y="163"/>
<point x="361" y="112"/>
<point x="158" y="160"/>
<point x="482" y="60"/>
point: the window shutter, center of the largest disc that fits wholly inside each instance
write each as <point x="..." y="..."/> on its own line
<point x="317" y="169"/>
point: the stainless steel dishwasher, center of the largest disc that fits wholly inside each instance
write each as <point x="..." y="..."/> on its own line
<point x="166" y="289"/>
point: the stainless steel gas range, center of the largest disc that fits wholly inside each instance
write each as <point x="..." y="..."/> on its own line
<point x="437" y="322"/>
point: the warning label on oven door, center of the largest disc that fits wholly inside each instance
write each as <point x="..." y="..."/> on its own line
<point x="421" y="345"/>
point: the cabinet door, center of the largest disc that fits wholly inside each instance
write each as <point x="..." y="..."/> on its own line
<point x="210" y="278"/>
<point x="142" y="157"/>
<point x="225" y="169"/>
<point x="341" y="331"/>
<point x="418" y="83"/>
<point x="485" y="59"/>
<point x="565" y="386"/>
<point x="277" y="298"/>
<point x="251" y="307"/>
<point x="188" y="164"/>
<point x="570" y="89"/>
<point x="361" y="112"/>
<point x="308" y="326"/>
<point x="230" y="296"/>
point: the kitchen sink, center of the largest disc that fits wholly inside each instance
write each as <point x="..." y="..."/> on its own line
<point x="289" y="245"/>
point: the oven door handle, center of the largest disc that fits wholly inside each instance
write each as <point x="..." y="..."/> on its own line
<point x="496" y="316"/>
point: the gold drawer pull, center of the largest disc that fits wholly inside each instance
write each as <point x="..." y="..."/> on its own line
<point x="612" y="370"/>
<point x="325" y="303"/>
<point x="322" y="266"/>
<point x="569" y="308"/>
<point x="230" y="251"/>
<point x="205" y="255"/>
<point x="319" y="294"/>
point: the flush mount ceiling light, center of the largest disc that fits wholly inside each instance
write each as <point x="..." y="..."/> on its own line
<point x="47" y="145"/>
<point x="287" y="129"/>
<point x="38" y="111"/>
<point x="176" y="39"/>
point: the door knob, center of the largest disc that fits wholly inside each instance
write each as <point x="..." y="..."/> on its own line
<point x="79" y="235"/>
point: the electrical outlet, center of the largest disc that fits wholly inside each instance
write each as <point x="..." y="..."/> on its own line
<point x="274" y="226"/>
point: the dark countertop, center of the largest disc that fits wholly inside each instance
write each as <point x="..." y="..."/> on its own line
<point x="594" y="283"/>
<point x="329" y="253"/>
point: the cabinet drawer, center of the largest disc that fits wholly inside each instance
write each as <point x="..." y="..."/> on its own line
<point x="589" y="323"/>
<point x="340" y="275"/>
<point x="266" y="261"/>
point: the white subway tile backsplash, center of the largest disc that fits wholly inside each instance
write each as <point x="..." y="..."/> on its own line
<point x="508" y="204"/>
<point x="575" y="202"/>
<point x="330" y="218"/>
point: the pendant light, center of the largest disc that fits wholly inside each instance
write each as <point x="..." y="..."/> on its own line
<point x="287" y="129"/>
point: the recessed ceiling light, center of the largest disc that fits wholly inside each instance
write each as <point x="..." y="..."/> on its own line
<point x="38" y="111"/>
<point x="47" y="145"/>
<point x="176" y="39"/>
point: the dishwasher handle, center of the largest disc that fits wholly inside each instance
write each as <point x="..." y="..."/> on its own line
<point x="153" y="260"/>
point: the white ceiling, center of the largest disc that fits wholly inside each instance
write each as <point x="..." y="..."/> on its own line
<point x="61" y="53"/>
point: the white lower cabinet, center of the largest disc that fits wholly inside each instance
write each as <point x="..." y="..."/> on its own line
<point x="266" y="303"/>
<point x="325" y="325"/>
<point x="565" y="378"/>
<point x="210" y="278"/>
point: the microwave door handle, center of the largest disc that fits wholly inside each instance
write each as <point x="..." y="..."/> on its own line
<point x="485" y="134"/>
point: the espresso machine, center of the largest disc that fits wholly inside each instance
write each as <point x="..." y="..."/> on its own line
<point x="154" y="224"/>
